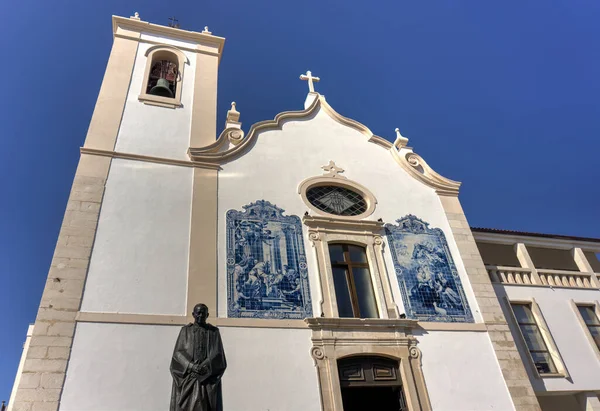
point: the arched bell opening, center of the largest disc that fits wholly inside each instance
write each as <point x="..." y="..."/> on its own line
<point x="371" y="383"/>
<point x="164" y="75"/>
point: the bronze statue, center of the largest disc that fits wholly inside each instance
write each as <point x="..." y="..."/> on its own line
<point x="197" y="366"/>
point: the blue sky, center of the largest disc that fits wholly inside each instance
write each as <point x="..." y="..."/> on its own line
<point x="503" y="96"/>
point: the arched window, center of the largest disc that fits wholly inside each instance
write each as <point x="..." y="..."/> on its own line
<point x="352" y="281"/>
<point x="163" y="77"/>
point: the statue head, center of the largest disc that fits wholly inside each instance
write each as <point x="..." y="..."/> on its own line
<point x="200" y="313"/>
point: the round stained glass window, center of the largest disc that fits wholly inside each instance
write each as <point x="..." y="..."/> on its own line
<point x="337" y="200"/>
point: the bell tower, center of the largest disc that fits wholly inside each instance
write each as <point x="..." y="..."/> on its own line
<point x="159" y="93"/>
<point x="130" y="203"/>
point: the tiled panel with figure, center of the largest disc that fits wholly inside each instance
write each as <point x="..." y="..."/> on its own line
<point x="266" y="264"/>
<point x="428" y="280"/>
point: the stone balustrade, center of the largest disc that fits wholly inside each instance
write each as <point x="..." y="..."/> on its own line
<point x="541" y="277"/>
<point x="572" y="279"/>
<point x="510" y="275"/>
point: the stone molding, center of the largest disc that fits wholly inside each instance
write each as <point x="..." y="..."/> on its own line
<point x="156" y="319"/>
<point x="503" y="343"/>
<point x="337" y="338"/>
<point x="339" y="181"/>
<point x="202" y="260"/>
<point x="150" y="159"/>
<point x="178" y="320"/>
<point x="221" y="151"/>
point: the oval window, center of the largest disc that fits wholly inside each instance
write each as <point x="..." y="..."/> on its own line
<point x="336" y="200"/>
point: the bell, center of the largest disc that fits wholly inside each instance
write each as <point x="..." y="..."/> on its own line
<point x="161" y="89"/>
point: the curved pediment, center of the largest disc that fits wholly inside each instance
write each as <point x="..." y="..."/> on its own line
<point x="233" y="143"/>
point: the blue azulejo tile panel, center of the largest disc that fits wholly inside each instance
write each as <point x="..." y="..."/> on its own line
<point x="429" y="283"/>
<point x="267" y="275"/>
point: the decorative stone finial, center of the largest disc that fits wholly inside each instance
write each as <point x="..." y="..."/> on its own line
<point x="333" y="170"/>
<point x="205" y="31"/>
<point x="401" y="141"/>
<point x="232" y="114"/>
<point x="233" y="125"/>
<point x="308" y="76"/>
<point x="136" y="16"/>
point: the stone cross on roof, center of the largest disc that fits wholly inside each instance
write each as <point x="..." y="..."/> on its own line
<point x="308" y="76"/>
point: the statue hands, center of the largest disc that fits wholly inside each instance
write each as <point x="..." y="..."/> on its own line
<point x="199" y="370"/>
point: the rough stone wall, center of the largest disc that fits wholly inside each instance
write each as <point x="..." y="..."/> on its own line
<point x="46" y="362"/>
<point x="512" y="367"/>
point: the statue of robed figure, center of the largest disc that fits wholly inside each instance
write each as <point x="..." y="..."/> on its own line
<point x="197" y="366"/>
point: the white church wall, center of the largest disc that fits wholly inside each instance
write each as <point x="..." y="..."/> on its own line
<point x="269" y="369"/>
<point x="139" y="261"/>
<point x="281" y="159"/>
<point x="125" y="367"/>
<point x="151" y="130"/>
<point x="119" y="367"/>
<point x="153" y="38"/>
<point x="570" y="338"/>
<point x="462" y="373"/>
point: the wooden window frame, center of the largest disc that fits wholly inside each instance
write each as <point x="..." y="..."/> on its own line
<point x="575" y="305"/>
<point x="559" y="364"/>
<point x="348" y="265"/>
<point x="323" y="231"/>
<point x="537" y="327"/>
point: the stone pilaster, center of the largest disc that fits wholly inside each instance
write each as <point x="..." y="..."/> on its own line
<point x="590" y="401"/>
<point x="510" y="361"/>
<point x="50" y="347"/>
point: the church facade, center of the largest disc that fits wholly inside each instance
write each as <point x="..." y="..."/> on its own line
<point x="340" y="279"/>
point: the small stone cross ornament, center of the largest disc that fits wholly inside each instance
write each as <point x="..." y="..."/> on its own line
<point x="308" y="76"/>
<point x="333" y="170"/>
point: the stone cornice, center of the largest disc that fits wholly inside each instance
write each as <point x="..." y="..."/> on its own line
<point x="139" y="26"/>
<point x="362" y="324"/>
<point x="557" y="243"/>
<point x="323" y="223"/>
<point x="149" y="159"/>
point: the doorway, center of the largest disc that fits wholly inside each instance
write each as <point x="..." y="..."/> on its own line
<point x="373" y="398"/>
<point x="371" y="383"/>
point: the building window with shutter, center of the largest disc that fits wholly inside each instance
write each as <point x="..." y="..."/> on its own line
<point x="589" y="317"/>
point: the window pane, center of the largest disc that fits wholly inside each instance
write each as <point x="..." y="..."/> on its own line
<point x="595" y="331"/>
<point x="342" y="293"/>
<point x="366" y="296"/>
<point x="357" y="254"/>
<point x="336" y="253"/>
<point x="588" y="314"/>
<point x="543" y="362"/>
<point x="533" y="337"/>
<point x="523" y="313"/>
